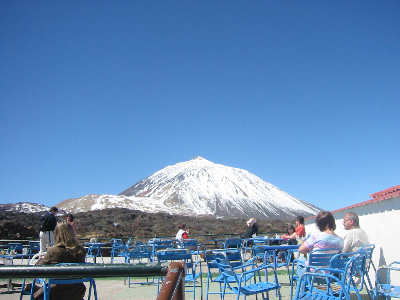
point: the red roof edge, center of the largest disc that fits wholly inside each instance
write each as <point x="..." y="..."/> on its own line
<point x="385" y="194"/>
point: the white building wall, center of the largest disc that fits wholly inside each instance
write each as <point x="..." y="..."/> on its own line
<point x="381" y="221"/>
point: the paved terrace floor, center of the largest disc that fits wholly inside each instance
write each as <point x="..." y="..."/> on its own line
<point x="117" y="289"/>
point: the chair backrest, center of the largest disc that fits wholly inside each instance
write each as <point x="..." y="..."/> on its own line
<point x="176" y="255"/>
<point x="50" y="281"/>
<point x="160" y="244"/>
<point x="348" y="265"/>
<point x="34" y="247"/>
<point x="321" y="257"/>
<point x="94" y="250"/>
<point x="234" y="257"/>
<point x="368" y="250"/>
<point x="233" y="243"/>
<point x="191" y="244"/>
<point x="322" y="285"/>
<point x="258" y="250"/>
<point x="340" y="260"/>
<point x="393" y="267"/>
<point x="211" y="259"/>
<point x="117" y="242"/>
<point x="15" y="248"/>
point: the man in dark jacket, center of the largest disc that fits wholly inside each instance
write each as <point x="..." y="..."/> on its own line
<point x="48" y="223"/>
<point x="252" y="229"/>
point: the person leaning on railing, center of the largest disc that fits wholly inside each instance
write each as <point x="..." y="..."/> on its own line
<point x="48" y="223"/>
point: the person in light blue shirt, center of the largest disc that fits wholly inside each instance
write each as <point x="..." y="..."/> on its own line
<point x="326" y="238"/>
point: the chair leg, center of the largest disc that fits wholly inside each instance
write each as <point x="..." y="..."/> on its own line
<point x="94" y="290"/>
<point x="201" y="286"/>
<point x="207" y="287"/>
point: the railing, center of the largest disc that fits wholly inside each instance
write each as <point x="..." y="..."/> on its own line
<point x="73" y="271"/>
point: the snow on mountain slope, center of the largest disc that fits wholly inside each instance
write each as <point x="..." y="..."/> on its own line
<point x="200" y="187"/>
<point x="204" y="187"/>
<point x="25" y="207"/>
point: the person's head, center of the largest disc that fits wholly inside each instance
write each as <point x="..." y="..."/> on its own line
<point x="64" y="235"/>
<point x="250" y="222"/>
<point x="299" y="220"/>
<point x="290" y="229"/>
<point x="70" y="217"/>
<point x="350" y="221"/>
<point x="325" y="220"/>
<point x="182" y="226"/>
<point x="53" y="210"/>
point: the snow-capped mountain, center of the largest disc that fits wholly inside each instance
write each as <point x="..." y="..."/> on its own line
<point x="200" y="187"/>
<point x="25" y="207"/>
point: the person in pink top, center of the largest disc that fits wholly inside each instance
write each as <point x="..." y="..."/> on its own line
<point x="326" y="238"/>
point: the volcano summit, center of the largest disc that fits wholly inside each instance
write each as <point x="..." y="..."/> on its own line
<point x="200" y="187"/>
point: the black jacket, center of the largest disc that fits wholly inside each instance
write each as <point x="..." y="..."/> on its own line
<point x="48" y="221"/>
<point x="250" y="231"/>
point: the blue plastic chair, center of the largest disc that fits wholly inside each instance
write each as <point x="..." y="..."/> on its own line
<point x="233" y="257"/>
<point x="368" y="251"/>
<point x="384" y="286"/>
<point x="34" y="247"/>
<point x="214" y="261"/>
<point x="15" y="249"/>
<point x="251" y="281"/>
<point x="349" y="267"/>
<point x="158" y="244"/>
<point x="318" y="258"/>
<point x="192" y="245"/>
<point x="139" y="253"/>
<point x="94" y="251"/>
<point x="118" y="249"/>
<point x="46" y="285"/>
<point x="320" y="285"/>
<point x="233" y="243"/>
<point x="192" y="275"/>
<point x="346" y="267"/>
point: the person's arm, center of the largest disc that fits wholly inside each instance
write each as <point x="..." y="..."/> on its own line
<point x="347" y="243"/>
<point x="47" y="258"/>
<point x="308" y="244"/>
<point x="304" y="249"/>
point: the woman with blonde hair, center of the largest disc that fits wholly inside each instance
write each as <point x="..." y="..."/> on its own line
<point x="70" y="220"/>
<point x="66" y="249"/>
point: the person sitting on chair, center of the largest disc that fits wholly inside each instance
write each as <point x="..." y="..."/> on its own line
<point x="183" y="233"/>
<point x="355" y="237"/>
<point x="65" y="250"/>
<point x="290" y="236"/>
<point x="300" y="229"/>
<point x="326" y="238"/>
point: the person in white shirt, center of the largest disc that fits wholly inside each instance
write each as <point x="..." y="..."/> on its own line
<point x="183" y="233"/>
<point x="355" y="237"/>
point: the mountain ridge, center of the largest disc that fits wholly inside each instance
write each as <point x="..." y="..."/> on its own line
<point x="200" y="187"/>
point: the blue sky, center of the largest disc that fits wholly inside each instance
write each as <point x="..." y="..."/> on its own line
<point x="96" y="96"/>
